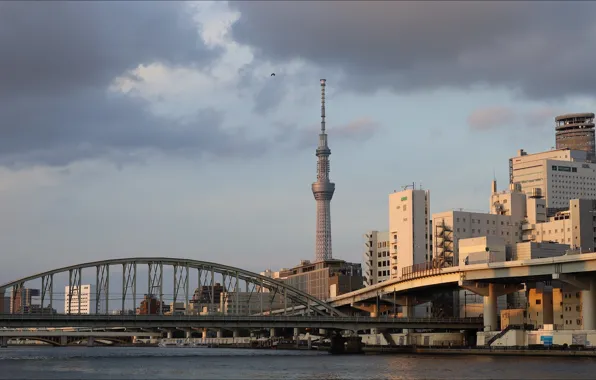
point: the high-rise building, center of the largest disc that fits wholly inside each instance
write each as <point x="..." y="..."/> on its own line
<point x="409" y="229"/>
<point x="377" y="258"/>
<point x="76" y="302"/>
<point x="323" y="191"/>
<point x="575" y="131"/>
<point x="561" y="175"/>
<point x="20" y="300"/>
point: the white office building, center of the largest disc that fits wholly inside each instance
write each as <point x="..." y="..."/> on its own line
<point x="377" y="263"/>
<point x="75" y="304"/>
<point x="561" y="175"/>
<point x="409" y="229"/>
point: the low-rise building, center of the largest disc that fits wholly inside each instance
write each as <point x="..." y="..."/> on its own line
<point x="567" y="308"/>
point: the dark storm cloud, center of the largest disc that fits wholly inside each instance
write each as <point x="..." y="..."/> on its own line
<point x="57" y="60"/>
<point x="544" y="49"/>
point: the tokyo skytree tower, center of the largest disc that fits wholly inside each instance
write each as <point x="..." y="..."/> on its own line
<point x="323" y="190"/>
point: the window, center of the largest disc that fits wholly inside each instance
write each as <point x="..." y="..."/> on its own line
<point x="538" y="302"/>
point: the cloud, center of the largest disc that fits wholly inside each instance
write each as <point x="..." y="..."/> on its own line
<point x="358" y="130"/>
<point x="488" y="118"/>
<point x="59" y="61"/>
<point x="491" y="117"/>
<point x="409" y="46"/>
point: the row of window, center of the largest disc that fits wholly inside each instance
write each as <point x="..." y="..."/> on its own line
<point x="382" y="273"/>
<point x="487" y="222"/>
<point x="570" y="322"/>
<point x="488" y="232"/>
<point x="383" y="254"/>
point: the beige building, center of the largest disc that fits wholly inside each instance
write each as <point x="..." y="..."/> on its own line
<point x="482" y="250"/>
<point x="248" y="303"/>
<point x="540" y="306"/>
<point x="574" y="227"/>
<point x="567" y="308"/>
<point x="409" y="229"/>
<point x="561" y="175"/>
<point x="324" y="279"/>
<point x="533" y="250"/>
<point x="451" y="226"/>
<point x="377" y="264"/>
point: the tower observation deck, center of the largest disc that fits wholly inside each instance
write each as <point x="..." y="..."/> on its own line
<point x="576" y="131"/>
<point x="323" y="190"/>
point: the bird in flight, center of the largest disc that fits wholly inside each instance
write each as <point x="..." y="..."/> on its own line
<point x="272" y="74"/>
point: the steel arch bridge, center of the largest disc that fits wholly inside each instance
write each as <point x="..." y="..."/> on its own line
<point x="255" y="285"/>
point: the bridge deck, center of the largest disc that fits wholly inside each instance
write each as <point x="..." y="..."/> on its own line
<point x="231" y="322"/>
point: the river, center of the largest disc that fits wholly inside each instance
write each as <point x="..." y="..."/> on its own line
<point x="214" y="363"/>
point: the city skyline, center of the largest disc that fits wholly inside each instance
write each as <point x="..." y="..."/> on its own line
<point x="198" y="152"/>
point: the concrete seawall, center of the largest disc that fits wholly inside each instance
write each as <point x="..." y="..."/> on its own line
<point x="477" y="351"/>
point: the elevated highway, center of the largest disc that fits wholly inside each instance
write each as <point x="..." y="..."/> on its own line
<point x="509" y="272"/>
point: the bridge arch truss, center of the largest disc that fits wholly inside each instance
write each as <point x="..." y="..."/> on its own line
<point x="236" y="284"/>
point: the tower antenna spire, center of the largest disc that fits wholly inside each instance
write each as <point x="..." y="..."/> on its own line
<point x="323" y="190"/>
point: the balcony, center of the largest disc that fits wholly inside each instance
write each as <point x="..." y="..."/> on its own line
<point x="528" y="226"/>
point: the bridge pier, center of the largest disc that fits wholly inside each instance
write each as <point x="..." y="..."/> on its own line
<point x="219" y="333"/>
<point x="170" y="334"/>
<point x="204" y="335"/>
<point x="63" y="340"/>
<point x="236" y="333"/>
<point x="188" y="333"/>
<point x="90" y="341"/>
<point x="343" y="345"/>
<point x="490" y="292"/>
<point x="490" y="309"/>
<point x="272" y="332"/>
<point x="589" y="305"/>
<point x="3" y="341"/>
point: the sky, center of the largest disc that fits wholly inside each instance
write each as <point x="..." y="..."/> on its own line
<point x="155" y="128"/>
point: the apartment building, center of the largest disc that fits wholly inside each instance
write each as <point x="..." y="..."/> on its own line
<point x="409" y="229"/>
<point x="377" y="265"/>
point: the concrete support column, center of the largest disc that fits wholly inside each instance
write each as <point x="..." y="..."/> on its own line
<point x="236" y="333"/>
<point x="188" y="334"/>
<point x="272" y="332"/>
<point x="3" y="341"/>
<point x="407" y="308"/>
<point x="170" y="334"/>
<point x="220" y="333"/>
<point x="90" y="341"/>
<point x="204" y="335"/>
<point x="490" y="309"/>
<point x="589" y="305"/>
<point x="63" y="340"/>
<point x="296" y="336"/>
<point x="407" y="311"/>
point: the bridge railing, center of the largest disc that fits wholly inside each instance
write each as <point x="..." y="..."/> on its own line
<point x="419" y="270"/>
<point x="223" y="318"/>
